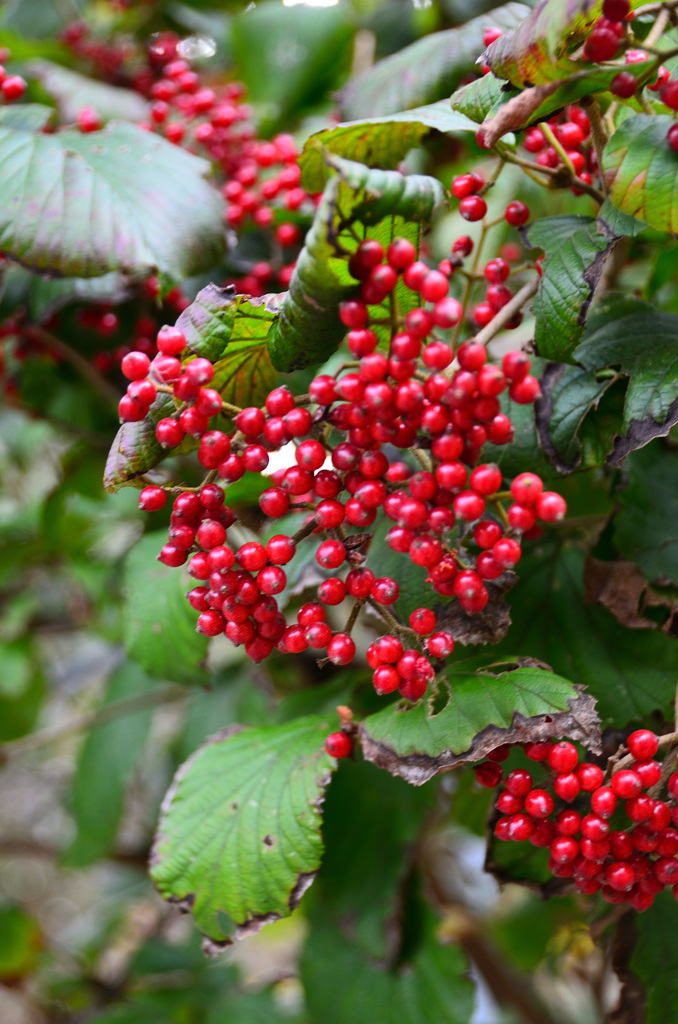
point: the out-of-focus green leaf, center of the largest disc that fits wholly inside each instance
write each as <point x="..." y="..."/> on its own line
<point x="645" y="524"/>
<point x="20" y="943"/>
<point x="426" y="71"/>
<point x="73" y="91"/>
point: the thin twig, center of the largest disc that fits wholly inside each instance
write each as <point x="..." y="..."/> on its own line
<point x="506" y="312"/>
<point x="88" y="719"/>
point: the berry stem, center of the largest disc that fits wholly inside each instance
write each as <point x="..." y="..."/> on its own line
<point x="598" y="134"/>
<point x="560" y="150"/>
<point x="355" y="611"/>
<point x="498" y="322"/>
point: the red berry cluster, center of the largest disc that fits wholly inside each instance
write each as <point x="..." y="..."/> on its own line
<point x="582" y="816"/>
<point x="412" y="397"/>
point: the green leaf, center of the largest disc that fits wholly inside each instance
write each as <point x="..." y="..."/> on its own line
<point x="159" y="624"/>
<point x="136" y="449"/>
<point x="644" y="346"/>
<point x="631" y="673"/>
<point x="38" y="18"/>
<point x="654" y="958"/>
<point x="239" y="837"/>
<point x="573" y="262"/>
<point x="105" y="763"/>
<point x="48" y="294"/>
<point x="73" y="91"/>
<point x="432" y="985"/>
<point x="472" y="710"/>
<point x="614" y="222"/>
<point x="569" y="395"/>
<point x="377" y="141"/>
<point x="32" y="117"/>
<point x="641" y="171"/>
<point x="231" y="331"/>
<point x="477" y="99"/>
<point x="538" y="49"/>
<point x="645" y="525"/>
<point x="426" y="71"/>
<point x="290" y="57"/>
<point x="21" y="940"/>
<point x="95" y="213"/>
<point x="357" y="202"/>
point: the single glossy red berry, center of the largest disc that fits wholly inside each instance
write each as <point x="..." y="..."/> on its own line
<point x="338" y="744"/>
<point x="563" y="757"/>
<point x="473" y="208"/>
<point x="517" y="213"/>
<point x="152" y="499"/>
<point x="642" y="744"/>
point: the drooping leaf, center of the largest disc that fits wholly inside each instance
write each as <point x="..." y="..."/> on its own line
<point x="630" y="673"/>
<point x="159" y="624"/>
<point x="503" y="109"/>
<point x="426" y="71"/>
<point x="476" y="705"/>
<point x="73" y="91"/>
<point x="574" y="254"/>
<point x="538" y="49"/>
<point x="239" y="836"/>
<point x="432" y="985"/>
<point x="645" y="524"/>
<point x="641" y="171"/>
<point x="119" y="199"/>
<point x="644" y="346"/>
<point x="568" y="395"/>
<point x="357" y="202"/>
<point x="377" y="141"/>
<point x="104" y="765"/>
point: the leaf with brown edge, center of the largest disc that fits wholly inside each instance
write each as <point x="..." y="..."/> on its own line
<point x="539" y="49"/>
<point x="477" y="705"/>
<point x="239" y="842"/>
<point x="568" y="395"/>
<point x="515" y="113"/>
<point x="488" y="626"/>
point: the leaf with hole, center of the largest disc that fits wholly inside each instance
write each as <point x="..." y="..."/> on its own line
<point x="239" y="837"/>
<point x="477" y="704"/>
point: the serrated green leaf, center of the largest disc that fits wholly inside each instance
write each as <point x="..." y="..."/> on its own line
<point x="537" y="50"/>
<point x="641" y="171"/>
<point x="357" y="202"/>
<point x="645" y="347"/>
<point x="426" y="71"/>
<point x="377" y="141"/>
<point x="645" y="524"/>
<point x="479" y="98"/>
<point x="472" y="710"/>
<point x="119" y="199"/>
<point x="573" y="262"/>
<point x="630" y="672"/>
<point x="239" y="837"/>
<point x="433" y="984"/>
<point x="105" y="762"/>
<point x="612" y="221"/>
<point x="159" y="624"/>
<point x="73" y="91"/>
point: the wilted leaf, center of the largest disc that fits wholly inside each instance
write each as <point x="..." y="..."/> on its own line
<point x="621" y="588"/>
<point x="574" y="255"/>
<point x="645" y="524"/>
<point x="239" y="836"/>
<point x="471" y="711"/>
<point x="426" y="71"/>
<point x="568" y="395"/>
<point x="377" y="141"/>
<point x="538" y="49"/>
<point x="136" y="449"/>
<point x="94" y="213"/>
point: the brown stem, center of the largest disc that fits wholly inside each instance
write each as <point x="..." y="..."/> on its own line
<point x="355" y="611"/>
<point x="305" y="531"/>
<point x="88" y="719"/>
<point x="83" y="366"/>
<point x="504" y="315"/>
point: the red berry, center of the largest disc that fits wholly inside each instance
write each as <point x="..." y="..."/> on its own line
<point x="152" y="499"/>
<point x="601" y="45"/>
<point x="604" y="801"/>
<point x="170" y="340"/>
<point x="626" y="783"/>
<point x="338" y="744"/>
<point x="616" y="10"/>
<point x="423" y="621"/>
<point x="341" y="649"/>
<point x="13" y="87"/>
<point x="566" y="786"/>
<point x="331" y="591"/>
<point x="672" y="137"/>
<point x="517" y="213"/>
<point x="473" y="208"/>
<point x="642" y="743"/>
<point x="551" y="507"/>
<point x="623" y="85"/>
<point x="563" y="757"/>
<point x="440" y="645"/>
